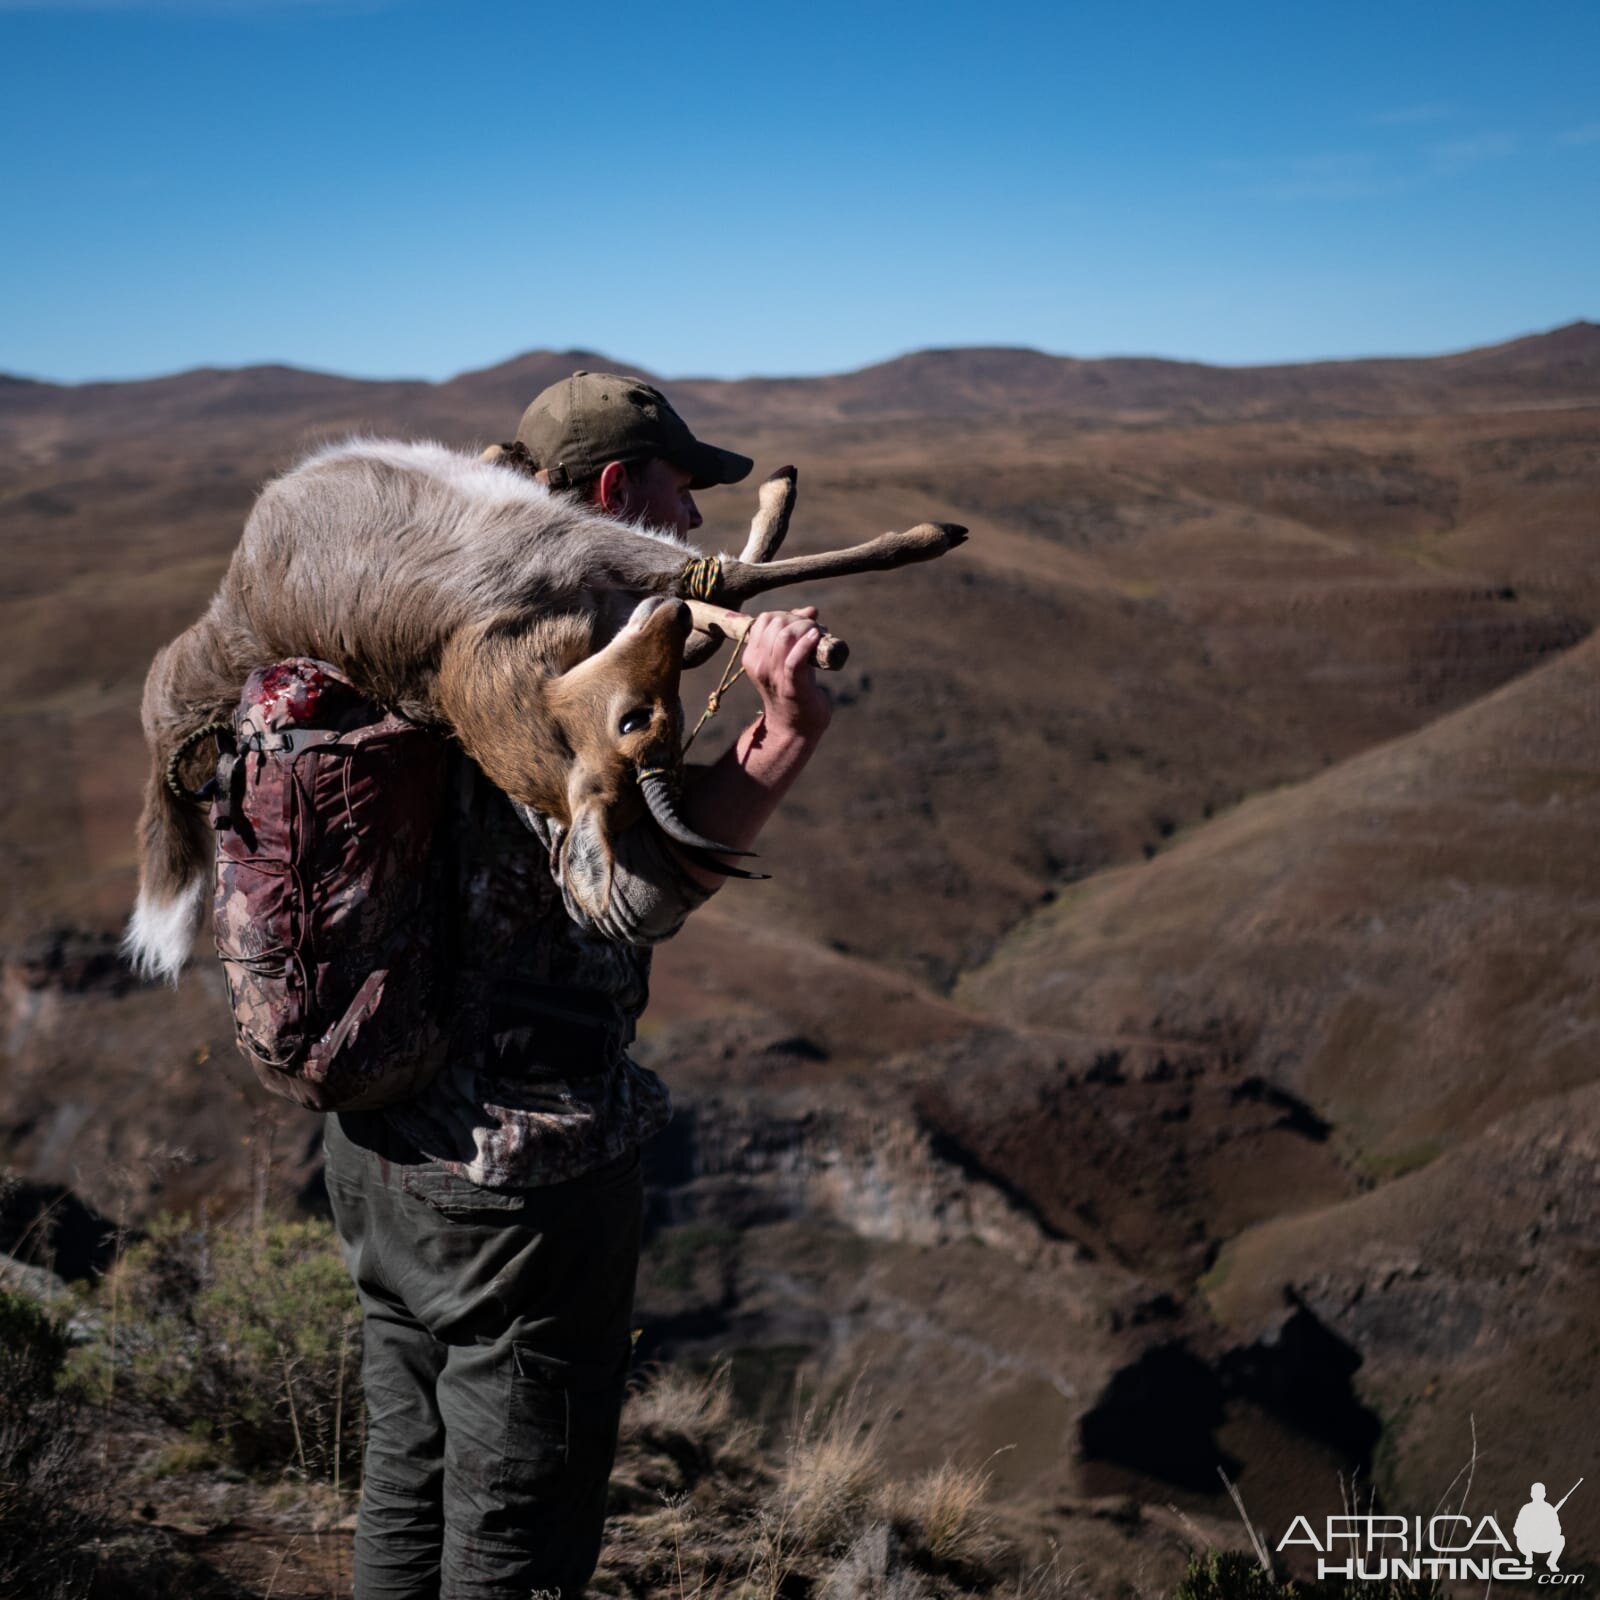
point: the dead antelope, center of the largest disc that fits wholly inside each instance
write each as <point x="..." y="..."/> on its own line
<point x="547" y="638"/>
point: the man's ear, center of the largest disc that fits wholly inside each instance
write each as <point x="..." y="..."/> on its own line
<point x="613" y="490"/>
<point x="585" y="862"/>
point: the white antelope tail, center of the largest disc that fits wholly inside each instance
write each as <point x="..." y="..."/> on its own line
<point x="177" y="856"/>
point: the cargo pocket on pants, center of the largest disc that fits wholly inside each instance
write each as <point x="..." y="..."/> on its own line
<point x="561" y="1435"/>
<point x="533" y="1464"/>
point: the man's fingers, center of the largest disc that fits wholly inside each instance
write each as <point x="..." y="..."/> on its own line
<point x="767" y="635"/>
<point x="779" y="641"/>
<point x="766" y="619"/>
<point x="802" y="649"/>
<point x="777" y="628"/>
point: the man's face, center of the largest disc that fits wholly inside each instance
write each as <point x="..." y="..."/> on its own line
<point x="658" y="493"/>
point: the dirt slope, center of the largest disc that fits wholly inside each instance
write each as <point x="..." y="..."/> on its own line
<point x="1384" y="940"/>
<point x="1401" y="955"/>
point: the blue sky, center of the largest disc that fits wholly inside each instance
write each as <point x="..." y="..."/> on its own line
<point x="416" y="188"/>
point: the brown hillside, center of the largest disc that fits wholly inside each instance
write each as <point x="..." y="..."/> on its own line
<point x="1196" y="851"/>
<point x="1469" y="1288"/>
<point x="1400" y="956"/>
<point x="1384" y="940"/>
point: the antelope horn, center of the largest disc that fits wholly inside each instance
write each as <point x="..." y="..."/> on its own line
<point x="663" y="804"/>
<point x="704" y="858"/>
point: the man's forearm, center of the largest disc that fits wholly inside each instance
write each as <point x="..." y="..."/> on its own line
<point x="736" y="794"/>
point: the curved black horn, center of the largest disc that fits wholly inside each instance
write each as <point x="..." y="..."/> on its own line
<point x="657" y="790"/>
<point x="704" y="858"/>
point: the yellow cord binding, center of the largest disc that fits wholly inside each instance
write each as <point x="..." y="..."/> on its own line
<point x="702" y="577"/>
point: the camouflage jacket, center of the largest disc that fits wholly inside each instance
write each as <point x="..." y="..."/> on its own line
<point x="538" y="1085"/>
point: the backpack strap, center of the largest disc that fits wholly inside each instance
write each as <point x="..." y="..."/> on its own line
<point x="289" y="741"/>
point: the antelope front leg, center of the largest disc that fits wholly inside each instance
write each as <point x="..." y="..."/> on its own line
<point x="925" y="542"/>
<point x="718" y="623"/>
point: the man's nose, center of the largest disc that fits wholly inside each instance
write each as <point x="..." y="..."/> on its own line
<point x="695" y="519"/>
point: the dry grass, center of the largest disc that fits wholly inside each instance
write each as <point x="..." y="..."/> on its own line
<point x="710" y="1513"/>
<point x="1047" y="1580"/>
<point x="868" y="1570"/>
<point x="832" y="1468"/>
<point x="677" y="1406"/>
<point x="946" y="1513"/>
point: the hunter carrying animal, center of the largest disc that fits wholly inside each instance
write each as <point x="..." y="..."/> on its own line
<point x="534" y="608"/>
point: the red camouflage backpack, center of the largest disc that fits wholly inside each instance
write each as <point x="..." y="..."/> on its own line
<point x="333" y="889"/>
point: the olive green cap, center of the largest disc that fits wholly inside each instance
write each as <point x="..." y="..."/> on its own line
<point x="576" y="426"/>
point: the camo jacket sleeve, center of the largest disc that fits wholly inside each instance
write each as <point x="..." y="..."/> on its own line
<point x="651" y="893"/>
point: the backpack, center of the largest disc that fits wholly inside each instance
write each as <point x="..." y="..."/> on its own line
<point x="334" y="899"/>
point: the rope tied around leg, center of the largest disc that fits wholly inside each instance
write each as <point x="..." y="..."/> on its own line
<point x="702" y="577"/>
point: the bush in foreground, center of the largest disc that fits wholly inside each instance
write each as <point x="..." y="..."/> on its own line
<point x="45" y="1481"/>
<point x="1238" y="1575"/>
<point x="249" y="1337"/>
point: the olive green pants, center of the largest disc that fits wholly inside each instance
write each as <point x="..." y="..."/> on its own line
<point x="496" y="1329"/>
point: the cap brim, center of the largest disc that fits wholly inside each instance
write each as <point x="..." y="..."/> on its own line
<point x="712" y="466"/>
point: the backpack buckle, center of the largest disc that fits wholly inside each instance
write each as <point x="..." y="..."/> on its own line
<point x="292" y="741"/>
<point x="219" y="789"/>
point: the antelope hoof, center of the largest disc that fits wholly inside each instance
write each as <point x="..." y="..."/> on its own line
<point x="832" y="653"/>
<point x="938" y="537"/>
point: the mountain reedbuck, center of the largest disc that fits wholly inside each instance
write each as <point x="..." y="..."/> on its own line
<point x="464" y="594"/>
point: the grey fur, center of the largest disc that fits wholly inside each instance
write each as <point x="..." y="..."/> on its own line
<point x="457" y="591"/>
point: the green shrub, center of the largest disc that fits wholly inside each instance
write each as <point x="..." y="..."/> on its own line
<point x="45" y="1484"/>
<point x="1227" y="1575"/>
<point x="247" y="1337"/>
<point x="1235" y="1575"/>
<point x="33" y="1347"/>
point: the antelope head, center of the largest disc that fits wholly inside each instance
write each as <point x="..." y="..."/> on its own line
<point x="590" y="738"/>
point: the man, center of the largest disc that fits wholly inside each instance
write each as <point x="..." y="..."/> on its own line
<point x="1537" y="1529"/>
<point x="492" y="1224"/>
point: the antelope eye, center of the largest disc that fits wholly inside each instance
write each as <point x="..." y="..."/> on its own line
<point x="636" y="721"/>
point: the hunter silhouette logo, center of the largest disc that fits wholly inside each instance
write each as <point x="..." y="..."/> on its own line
<point x="1537" y="1529"/>
<point x="1447" y="1546"/>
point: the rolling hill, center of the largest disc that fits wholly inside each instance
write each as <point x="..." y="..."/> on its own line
<point x="1190" y="904"/>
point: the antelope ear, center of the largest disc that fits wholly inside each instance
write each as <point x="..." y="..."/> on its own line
<point x="660" y="611"/>
<point x="586" y="863"/>
<point x="642" y="613"/>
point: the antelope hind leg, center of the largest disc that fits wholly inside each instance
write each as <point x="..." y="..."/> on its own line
<point x="774" y="507"/>
<point x="925" y="542"/>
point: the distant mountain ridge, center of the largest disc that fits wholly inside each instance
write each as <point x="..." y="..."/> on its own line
<point x="1561" y="366"/>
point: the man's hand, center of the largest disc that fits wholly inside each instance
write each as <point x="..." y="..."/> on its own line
<point x="737" y="793"/>
<point x="778" y="661"/>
